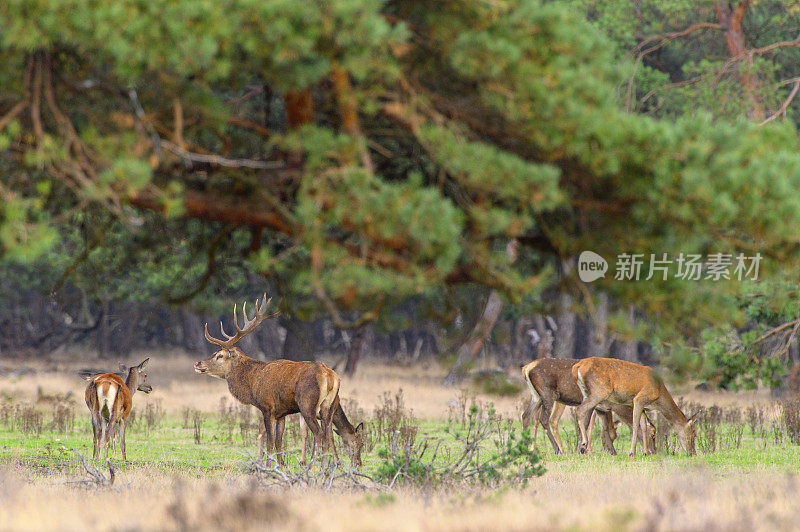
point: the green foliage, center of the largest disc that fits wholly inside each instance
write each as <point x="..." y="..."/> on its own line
<point x="733" y="361"/>
<point x="469" y="123"/>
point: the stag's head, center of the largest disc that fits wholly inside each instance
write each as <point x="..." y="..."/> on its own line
<point x="686" y="435"/>
<point x="354" y="443"/>
<point x="222" y="362"/>
<point x="137" y="378"/>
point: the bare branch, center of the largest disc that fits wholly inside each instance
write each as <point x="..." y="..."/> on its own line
<point x="669" y="86"/>
<point x="219" y="160"/>
<point x="777" y="330"/>
<point x="665" y="38"/>
<point x="785" y="104"/>
<point x="12" y="114"/>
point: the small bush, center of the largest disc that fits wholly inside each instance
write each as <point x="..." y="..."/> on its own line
<point x="496" y="383"/>
<point x="28" y="419"/>
<point x="790" y="411"/>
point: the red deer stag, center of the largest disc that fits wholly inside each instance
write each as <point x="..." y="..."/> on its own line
<point x="277" y="388"/>
<point x="552" y="388"/>
<point x="110" y="400"/>
<point x="624" y="383"/>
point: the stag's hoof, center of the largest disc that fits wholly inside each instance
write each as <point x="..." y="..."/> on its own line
<point x="583" y="449"/>
<point x="633" y="455"/>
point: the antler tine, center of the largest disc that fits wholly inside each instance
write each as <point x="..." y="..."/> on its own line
<point x="226" y="335"/>
<point x="236" y="320"/>
<point x="213" y="340"/>
<point x="247" y="321"/>
<point x="263" y="308"/>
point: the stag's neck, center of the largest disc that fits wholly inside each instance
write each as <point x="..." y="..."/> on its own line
<point x="240" y="379"/>
<point x="670" y="410"/>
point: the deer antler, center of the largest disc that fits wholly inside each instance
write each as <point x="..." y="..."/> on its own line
<point x="250" y="324"/>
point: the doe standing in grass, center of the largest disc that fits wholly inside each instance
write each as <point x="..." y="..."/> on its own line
<point x="625" y="383"/>
<point x="553" y="387"/>
<point x="110" y="400"/>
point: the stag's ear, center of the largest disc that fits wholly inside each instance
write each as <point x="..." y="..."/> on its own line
<point x="692" y="420"/>
<point x="359" y="426"/>
<point x="144" y="363"/>
<point x="337" y="432"/>
<point x="122" y="367"/>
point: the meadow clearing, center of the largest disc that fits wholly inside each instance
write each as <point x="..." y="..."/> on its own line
<point x="190" y="448"/>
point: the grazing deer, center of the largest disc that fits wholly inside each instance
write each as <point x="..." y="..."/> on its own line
<point x="552" y="388"/>
<point x="625" y="383"/>
<point x="353" y="437"/>
<point x="277" y="388"/>
<point x="110" y="400"/>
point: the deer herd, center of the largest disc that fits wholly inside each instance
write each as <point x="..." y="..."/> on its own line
<point x="599" y="388"/>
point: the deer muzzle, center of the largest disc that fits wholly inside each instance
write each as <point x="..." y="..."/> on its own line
<point x="199" y="367"/>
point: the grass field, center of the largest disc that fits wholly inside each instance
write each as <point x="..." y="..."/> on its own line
<point x="189" y="468"/>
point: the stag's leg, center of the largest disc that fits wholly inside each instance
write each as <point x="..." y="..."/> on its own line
<point x="266" y="433"/>
<point x="326" y="415"/>
<point x="311" y="422"/>
<point x="303" y="439"/>
<point x="555" y="417"/>
<point x="638" y="408"/>
<point x="310" y="408"/>
<point x="280" y="425"/>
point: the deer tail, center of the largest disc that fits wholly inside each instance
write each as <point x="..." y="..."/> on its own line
<point x="106" y="395"/>
<point x="582" y="385"/>
<point x="526" y="375"/>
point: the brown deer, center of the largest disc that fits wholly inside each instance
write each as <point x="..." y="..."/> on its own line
<point x="624" y="383"/>
<point x="110" y="400"/>
<point x="353" y="437"/>
<point x="552" y="388"/>
<point x="277" y="388"/>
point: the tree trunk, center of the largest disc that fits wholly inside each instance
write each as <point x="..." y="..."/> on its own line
<point x="483" y="328"/>
<point x="629" y="350"/>
<point x="103" y="331"/>
<point x="599" y="339"/>
<point x="730" y="18"/>
<point x="299" y="107"/>
<point x="480" y="333"/>
<point x="297" y="345"/>
<point x="127" y="335"/>
<point x="192" y="338"/>
<point x="564" y="344"/>
<point x="353" y="354"/>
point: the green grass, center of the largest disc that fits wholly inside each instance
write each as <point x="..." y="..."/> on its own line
<point x="170" y="447"/>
